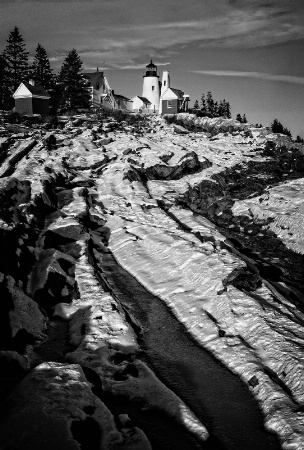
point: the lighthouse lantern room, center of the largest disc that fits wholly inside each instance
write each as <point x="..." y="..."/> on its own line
<point x="151" y="86"/>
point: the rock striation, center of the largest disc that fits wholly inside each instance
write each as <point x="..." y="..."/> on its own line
<point x="112" y="230"/>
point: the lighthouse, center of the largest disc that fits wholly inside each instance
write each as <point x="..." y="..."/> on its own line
<point x="151" y="86"/>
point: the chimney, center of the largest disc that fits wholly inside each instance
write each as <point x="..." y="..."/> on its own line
<point x="32" y="82"/>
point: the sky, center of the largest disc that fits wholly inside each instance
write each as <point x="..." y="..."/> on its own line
<point x="249" y="52"/>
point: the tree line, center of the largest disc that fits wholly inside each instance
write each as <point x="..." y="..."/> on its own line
<point x="212" y="108"/>
<point x="68" y="89"/>
<point x="277" y="127"/>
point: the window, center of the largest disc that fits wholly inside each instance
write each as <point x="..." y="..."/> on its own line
<point x="169" y="103"/>
<point x="97" y="85"/>
<point x="153" y="87"/>
<point x="165" y="83"/>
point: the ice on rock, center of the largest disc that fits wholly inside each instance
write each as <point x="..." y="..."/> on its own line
<point x="200" y="219"/>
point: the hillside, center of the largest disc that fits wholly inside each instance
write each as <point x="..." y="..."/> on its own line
<point x="151" y="280"/>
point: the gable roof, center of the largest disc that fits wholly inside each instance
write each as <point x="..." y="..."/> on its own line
<point x="144" y="99"/>
<point x="177" y="92"/>
<point x="36" y="90"/>
<point x="122" y="97"/>
<point x="95" y="77"/>
<point x="172" y="93"/>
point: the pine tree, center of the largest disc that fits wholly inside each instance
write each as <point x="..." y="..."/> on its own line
<point x="41" y="71"/>
<point x="196" y="105"/>
<point x="5" y="96"/>
<point x="215" y="109"/>
<point x="221" y="109"/>
<point x="42" y="74"/>
<point x="287" y="132"/>
<point x="73" y="85"/>
<point x="16" y="59"/>
<point x="210" y="103"/>
<point x="227" y="109"/>
<point x="203" y="104"/>
<point x="239" y="118"/>
<point x="277" y="127"/>
<point x="244" y="118"/>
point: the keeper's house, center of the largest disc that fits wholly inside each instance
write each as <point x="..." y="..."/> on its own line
<point x="31" y="99"/>
<point x="174" y="101"/>
<point x="140" y="104"/>
<point x="122" y="102"/>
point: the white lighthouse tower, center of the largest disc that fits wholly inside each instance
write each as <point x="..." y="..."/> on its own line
<point x="151" y="86"/>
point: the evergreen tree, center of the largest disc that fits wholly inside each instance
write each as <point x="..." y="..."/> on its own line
<point x="196" y="105"/>
<point x="203" y="104"/>
<point x="41" y="71"/>
<point x="242" y="119"/>
<point x="42" y="74"/>
<point x="287" y="132"/>
<point x="299" y="140"/>
<point x="227" y="109"/>
<point x="277" y="127"/>
<point x="221" y="109"/>
<point x="215" y="112"/>
<point x="5" y="96"/>
<point x="16" y="60"/>
<point x="210" y="103"/>
<point x="73" y="85"/>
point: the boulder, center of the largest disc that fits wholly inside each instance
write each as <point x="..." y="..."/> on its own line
<point x="179" y="129"/>
<point x="22" y="322"/>
<point x="4" y="144"/>
<point x="15" y="154"/>
<point x="54" y="408"/>
<point x="50" y="140"/>
<point x="52" y="280"/>
<point x="13" y="193"/>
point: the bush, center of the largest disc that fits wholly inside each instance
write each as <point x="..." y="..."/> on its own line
<point x="116" y="114"/>
<point x="119" y="115"/>
<point x="135" y="119"/>
<point x="14" y="117"/>
<point x="51" y="121"/>
<point x="170" y="118"/>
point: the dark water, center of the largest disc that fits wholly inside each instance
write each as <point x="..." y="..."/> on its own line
<point x="218" y="398"/>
